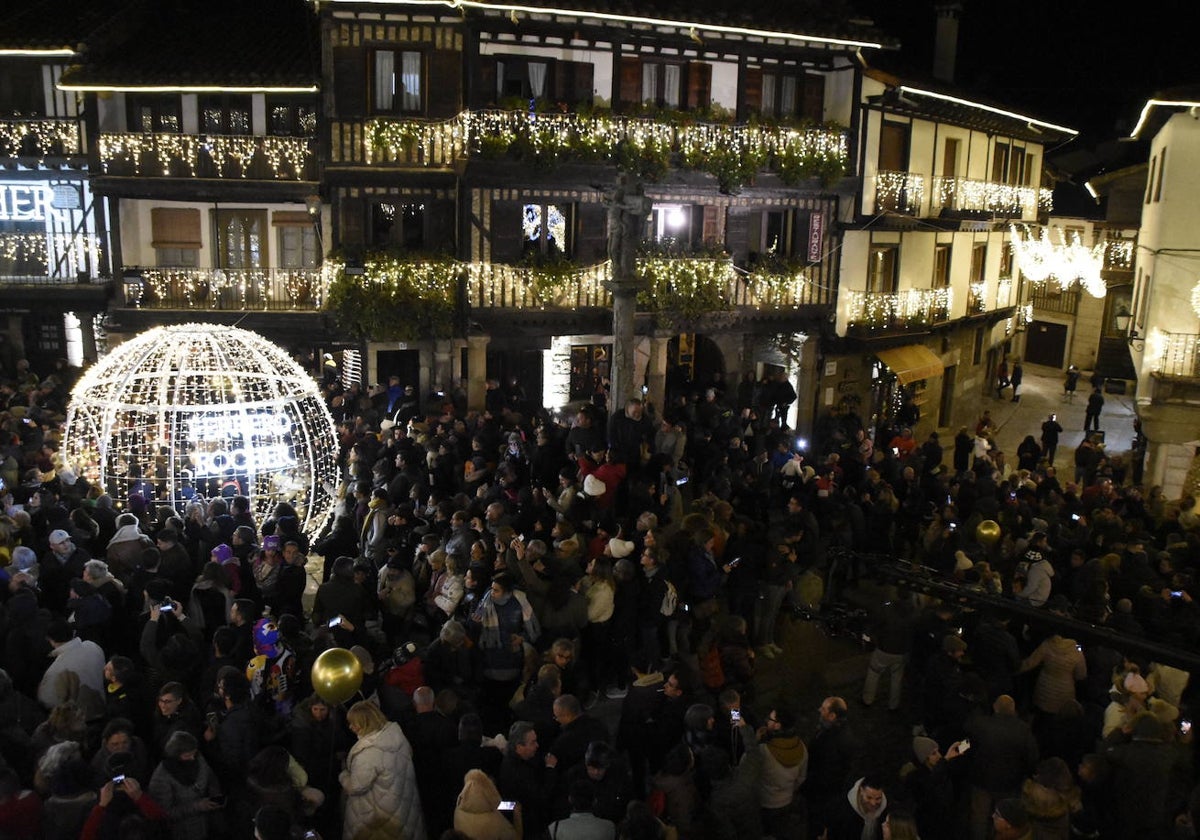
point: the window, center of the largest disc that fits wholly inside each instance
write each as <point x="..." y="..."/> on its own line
<point x="519" y="77"/>
<point x="544" y="230"/>
<point x="773" y="232"/>
<point x="589" y="370"/>
<point x="941" y="266"/>
<point x="1006" y="260"/>
<point x="175" y="236"/>
<point x="291" y="119"/>
<point x="1011" y="164"/>
<point x="881" y="269"/>
<point x="1162" y="167"/>
<point x="792" y="94"/>
<point x="950" y="158"/>
<point x="297" y="246"/>
<point x="225" y="115"/>
<point x="241" y="238"/>
<point x="21" y="89"/>
<point x="978" y="262"/>
<point x="398" y="224"/>
<point x="396" y="81"/>
<point x="153" y="114"/>
<point x="977" y="352"/>
<point x="670" y="223"/>
<point x="893" y="147"/>
<point x="661" y="84"/>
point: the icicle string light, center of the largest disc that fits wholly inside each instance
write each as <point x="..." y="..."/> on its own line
<point x="230" y="288"/>
<point x="590" y="137"/>
<point x="876" y="310"/>
<point x="902" y="192"/>
<point x="76" y="249"/>
<point x="49" y="137"/>
<point x="227" y="155"/>
<point x="1008" y="200"/>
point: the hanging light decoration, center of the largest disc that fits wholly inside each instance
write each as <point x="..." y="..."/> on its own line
<point x="1069" y="261"/>
<point x="199" y="410"/>
<point x="1196" y="298"/>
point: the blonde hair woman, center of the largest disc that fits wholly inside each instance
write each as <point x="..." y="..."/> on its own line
<point x="379" y="781"/>
<point x="475" y="813"/>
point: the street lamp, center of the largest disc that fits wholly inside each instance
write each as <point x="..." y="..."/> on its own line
<point x="1124" y="324"/>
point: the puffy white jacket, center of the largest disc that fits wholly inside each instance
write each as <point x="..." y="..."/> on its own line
<point x="381" y="788"/>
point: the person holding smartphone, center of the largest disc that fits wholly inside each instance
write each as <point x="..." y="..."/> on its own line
<point x="480" y="812"/>
<point x="186" y="787"/>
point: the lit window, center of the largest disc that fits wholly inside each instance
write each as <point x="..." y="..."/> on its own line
<point x="544" y="228"/>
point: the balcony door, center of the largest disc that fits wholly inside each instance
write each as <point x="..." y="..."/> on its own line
<point x="893" y="147"/>
<point x="241" y="238"/>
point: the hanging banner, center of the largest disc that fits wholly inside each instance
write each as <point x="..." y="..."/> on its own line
<point x="816" y="236"/>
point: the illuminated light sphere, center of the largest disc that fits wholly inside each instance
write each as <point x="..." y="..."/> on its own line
<point x="200" y="411"/>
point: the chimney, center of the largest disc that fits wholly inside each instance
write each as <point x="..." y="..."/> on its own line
<point x="945" y="41"/>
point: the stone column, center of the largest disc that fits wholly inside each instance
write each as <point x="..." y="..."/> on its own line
<point x="443" y="372"/>
<point x="477" y="372"/>
<point x="627" y="211"/>
<point x="656" y="373"/>
<point x="88" y="332"/>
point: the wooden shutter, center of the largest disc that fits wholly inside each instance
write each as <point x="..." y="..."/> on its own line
<point x="710" y="233"/>
<point x="813" y="106"/>
<point x="444" y="83"/>
<point x="699" y="84"/>
<point x="175" y="227"/>
<point x="350" y="81"/>
<point x="631" y="80"/>
<point x="893" y="147"/>
<point x="484" y="92"/>
<point x="440" y="226"/>
<point x="591" y="237"/>
<point x="352" y="212"/>
<point x="505" y="231"/>
<point x="737" y="233"/>
<point x="752" y="84"/>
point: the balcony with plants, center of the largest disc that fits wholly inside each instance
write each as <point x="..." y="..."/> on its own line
<point x="39" y="137"/>
<point x="399" y="297"/>
<point x="228" y="157"/>
<point x="225" y="289"/>
<point x="870" y="313"/>
<point x="651" y="142"/>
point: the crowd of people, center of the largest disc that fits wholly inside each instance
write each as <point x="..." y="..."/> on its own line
<point x="560" y="622"/>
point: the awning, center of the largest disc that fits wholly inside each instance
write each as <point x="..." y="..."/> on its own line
<point x="911" y="362"/>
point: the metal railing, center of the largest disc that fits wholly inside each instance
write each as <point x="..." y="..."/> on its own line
<point x="249" y="289"/>
<point x="1179" y="354"/>
<point x="899" y="192"/>
<point x="1008" y="200"/>
<point x="39" y="137"/>
<point x="250" y="157"/>
<point x="911" y="308"/>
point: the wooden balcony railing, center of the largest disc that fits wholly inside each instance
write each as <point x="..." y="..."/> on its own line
<point x="267" y="158"/>
<point x="250" y="290"/>
<point x="1049" y="298"/>
<point x="1175" y="354"/>
<point x="899" y="192"/>
<point x="912" y="308"/>
<point x="1007" y="200"/>
<point x="39" y="137"/>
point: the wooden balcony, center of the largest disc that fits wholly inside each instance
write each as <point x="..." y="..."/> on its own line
<point x="729" y="152"/>
<point x="870" y="312"/>
<point x="1174" y="354"/>
<point x="229" y="157"/>
<point x="1008" y="201"/>
<point x="1048" y="297"/>
<point x="238" y="290"/>
<point x="37" y="137"/>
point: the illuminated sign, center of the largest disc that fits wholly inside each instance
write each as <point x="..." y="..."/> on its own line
<point x="263" y="446"/>
<point x="24" y="202"/>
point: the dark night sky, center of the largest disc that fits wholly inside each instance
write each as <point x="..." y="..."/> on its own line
<point x="1087" y="65"/>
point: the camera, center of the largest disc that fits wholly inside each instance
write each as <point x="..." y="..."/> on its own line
<point x="507" y="805"/>
<point x="1074" y="517"/>
<point x="334" y="622"/>
<point x="166" y="606"/>
<point x="1177" y="593"/>
<point x="735" y="715"/>
<point x="118" y="779"/>
<point x="682" y="481"/>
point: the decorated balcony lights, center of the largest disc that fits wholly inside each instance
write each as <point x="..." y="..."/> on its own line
<point x="649" y="143"/>
<point x="1009" y="200"/>
<point x="899" y="192"/>
<point x="62" y="254"/>
<point x="219" y="156"/>
<point x="204" y="409"/>
<point x="48" y="137"/>
<point x="882" y="310"/>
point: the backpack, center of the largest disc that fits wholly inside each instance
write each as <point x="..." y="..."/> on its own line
<point x="670" y="600"/>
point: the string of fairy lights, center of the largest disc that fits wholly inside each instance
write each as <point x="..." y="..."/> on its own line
<point x="230" y="288"/>
<point x="876" y="310"/>
<point x="229" y="155"/>
<point x="49" y="136"/>
<point x="1067" y="261"/>
<point x="900" y="191"/>
<point x="40" y="249"/>
<point x="595" y="136"/>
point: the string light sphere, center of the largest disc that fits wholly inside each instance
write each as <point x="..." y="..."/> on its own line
<point x="201" y="410"/>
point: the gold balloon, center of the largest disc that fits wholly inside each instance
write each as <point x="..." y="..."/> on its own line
<point x="336" y="675"/>
<point x="987" y="532"/>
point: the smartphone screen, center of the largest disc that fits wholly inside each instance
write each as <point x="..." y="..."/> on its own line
<point x="507" y="805"/>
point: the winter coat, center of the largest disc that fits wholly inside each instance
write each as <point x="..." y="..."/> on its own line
<point x="85" y="660"/>
<point x="475" y="813"/>
<point x="785" y="767"/>
<point x="181" y="801"/>
<point x="1062" y="666"/>
<point x="381" y="788"/>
